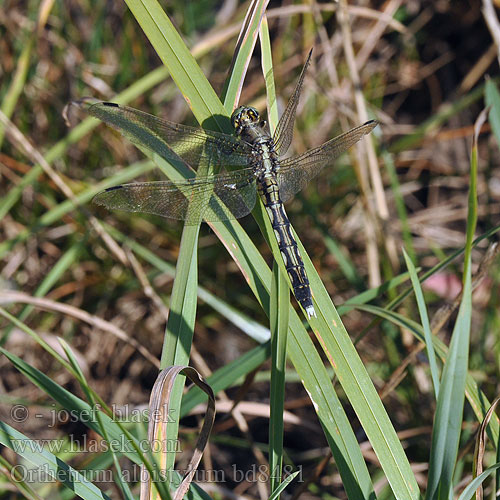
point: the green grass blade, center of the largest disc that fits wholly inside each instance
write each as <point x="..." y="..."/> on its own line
<point x="400" y="204"/>
<point x="60" y="148"/>
<point x="276" y="493"/>
<point x="477" y="399"/>
<point x="180" y="326"/>
<point x="280" y="301"/>
<point x="97" y="416"/>
<point x="73" y="404"/>
<point x="49" y="463"/>
<point x="449" y="412"/>
<point x="424" y="318"/>
<point x="307" y="362"/>
<point x="243" y="54"/>
<point x="474" y="484"/>
<point x="492" y="97"/>
<point x="17" y="85"/>
<point x="336" y="426"/>
<point x="355" y="381"/>
<point x="181" y="64"/>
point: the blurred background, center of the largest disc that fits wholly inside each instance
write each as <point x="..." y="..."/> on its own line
<point x="421" y="67"/>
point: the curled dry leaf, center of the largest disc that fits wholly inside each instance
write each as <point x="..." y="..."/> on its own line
<point x="157" y="428"/>
<point x="481" y="445"/>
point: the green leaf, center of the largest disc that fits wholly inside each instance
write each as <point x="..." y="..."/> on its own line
<point x="493" y="101"/>
<point x="181" y="64"/>
<point x="48" y="464"/>
<point x="73" y="404"/>
<point x="474" y="484"/>
<point x="450" y="404"/>
<point x="244" y="50"/>
<point x="424" y="318"/>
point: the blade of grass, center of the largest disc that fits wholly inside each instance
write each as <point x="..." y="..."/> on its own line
<point x="280" y="300"/>
<point x="60" y="148"/>
<point x="52" y="277"/>
<point x="424" y="318"/>
<point x="17" y="85"/>
<point x="477" y="399"/>
<point x="243" y="53"/>
<point x="181" y="64"/>
<point x="449" y="411"/>
<point x="276" y="493"/>
<point x="97" y="416"/>
<point x="180" y="325"/>
<point x="492" y="98"/>
<point x="355" y="381"/>
<point x="400" y="204"/>
<point x="468" y="492"/>
<point x="49" y="464"/>
<point x="307" y="362"/>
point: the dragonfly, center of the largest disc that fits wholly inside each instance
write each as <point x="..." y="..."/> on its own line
<point x="229" y="172"/>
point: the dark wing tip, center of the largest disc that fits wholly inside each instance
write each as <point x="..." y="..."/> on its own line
<point x="372" y="124"/>
<point x="100" y="198"/>
<point x="112" y="188"/>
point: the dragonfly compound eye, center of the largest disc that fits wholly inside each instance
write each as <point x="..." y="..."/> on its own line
<point x="253" y="114"/>
<point x="236" y="116"/>
<point x="244" y="115"/>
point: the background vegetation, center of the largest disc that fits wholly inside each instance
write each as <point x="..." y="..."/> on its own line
<point x="419" y="68"/>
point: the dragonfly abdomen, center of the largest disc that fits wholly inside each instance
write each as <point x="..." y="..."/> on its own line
<point x="269" y="191"/>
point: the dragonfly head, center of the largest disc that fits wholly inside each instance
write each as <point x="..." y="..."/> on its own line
<point x="244" y="116"/>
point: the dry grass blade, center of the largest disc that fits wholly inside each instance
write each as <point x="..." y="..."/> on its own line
<point x="7" y="297"/>
<point x="159" y="417"/>
<point x="491" y="19"/>
<point x="481" y="445"/>
<point x="18" y="139"/>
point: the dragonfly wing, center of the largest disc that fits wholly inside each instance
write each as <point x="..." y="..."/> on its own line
<point x="284" y="131"/>
<point x="212" y="198"/>
<point x="172" y="140"/>
<point x="296" y="172"/>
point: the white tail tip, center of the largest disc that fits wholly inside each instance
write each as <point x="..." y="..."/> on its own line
<point x="310" y="312"/>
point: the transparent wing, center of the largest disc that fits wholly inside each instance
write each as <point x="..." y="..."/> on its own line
<point x="172" y="141"/>
<point x="284" y="131"/>
<point x="296" y="172"/>
<point x="212" y="198"/>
